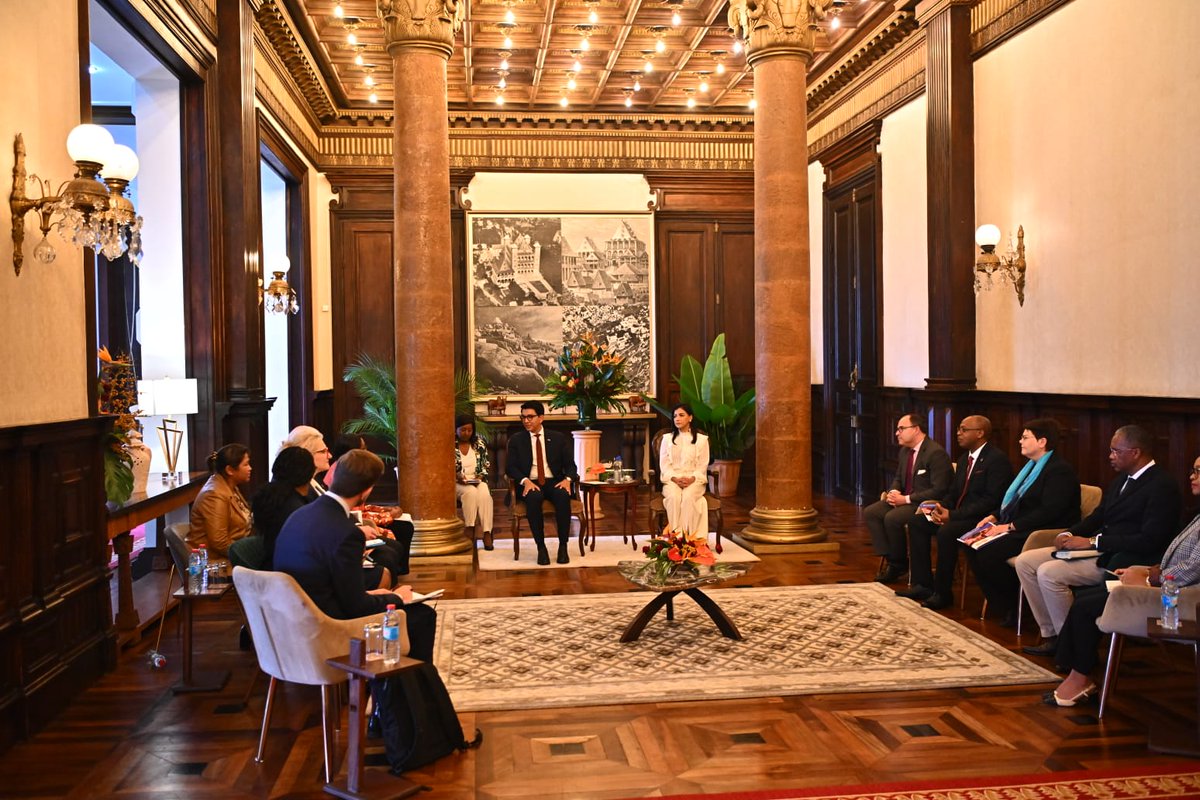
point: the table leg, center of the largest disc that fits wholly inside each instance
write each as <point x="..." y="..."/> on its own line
<point x="162" y="559"/>
<point x="127" y="613"/>
<point x="645" y="615"/>
<point x="204" y="681"/>
<point x="724" y="624"/>
<point x="360" y="784"/>
<point x="631" y="510"/>
<point x="187" y="640"/>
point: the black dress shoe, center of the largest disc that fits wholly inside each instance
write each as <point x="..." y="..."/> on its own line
<point x="543" y="557"/>
<point x="936" y="602"/>
<point x="563" y="558"/>
<point x="1048" y="647"/>
<point x="487" y="541"/>
<point x="891" y="573"/>
<point x="917" y="593"/>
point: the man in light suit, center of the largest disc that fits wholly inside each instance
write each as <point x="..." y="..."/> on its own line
<point x="1132" y="525"/>
<point x="322" y="548"/>
<point x="542" y="464"/>
<point x="923" y="473"/>
<point x="983" y="475"/>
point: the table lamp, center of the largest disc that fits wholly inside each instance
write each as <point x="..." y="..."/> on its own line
<point x="173" y="397"/>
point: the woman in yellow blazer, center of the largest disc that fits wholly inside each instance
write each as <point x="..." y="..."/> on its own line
<point x="220" y="515"/>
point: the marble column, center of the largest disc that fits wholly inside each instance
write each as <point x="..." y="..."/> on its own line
<point x="420" y="39"/>
<point x="779" y="36"/>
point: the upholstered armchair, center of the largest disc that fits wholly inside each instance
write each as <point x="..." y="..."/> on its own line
<point x="292" y="638"/>
<point x="1125" y="614"/>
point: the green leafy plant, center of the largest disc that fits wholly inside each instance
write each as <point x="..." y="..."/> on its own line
<point x="117" y="394"/>
<point x="374" y="381"/>
<point x="726" y="417"/>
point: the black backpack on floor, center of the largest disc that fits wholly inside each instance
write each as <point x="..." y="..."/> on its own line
<point x="417" y="717"/>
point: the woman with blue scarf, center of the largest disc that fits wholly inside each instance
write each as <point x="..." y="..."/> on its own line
<point x="1045" y="494"/>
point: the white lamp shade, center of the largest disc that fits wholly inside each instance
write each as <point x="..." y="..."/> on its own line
<point x="89" y="143"/>
<point x="121" y="164"/>
<point x="145" y="398"/>
<point x="987" y="235"/>
<point x="281" y="264"/>
<point x="175" y="396"/>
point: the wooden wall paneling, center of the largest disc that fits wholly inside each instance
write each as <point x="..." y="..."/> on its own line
<point x="686" y="299"/>
<point x="950" y="168"/>
<point x="1088" y="424"/>
<point x="56" y="631"/>
<point x="735" y="310"/>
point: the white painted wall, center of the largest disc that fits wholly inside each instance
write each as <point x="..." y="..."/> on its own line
<point x="555" y="192"/>
<point x="1085" y="133"/>
<point x="273" y="192"/>
<point x="816" y="270"/>
<point x="44" y="363"/>
<point x="905" y="246"/>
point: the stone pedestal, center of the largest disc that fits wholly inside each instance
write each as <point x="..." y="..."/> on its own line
<point x="780" y="46"/>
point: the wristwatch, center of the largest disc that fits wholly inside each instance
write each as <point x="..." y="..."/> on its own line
<point x="1094" y="541"/>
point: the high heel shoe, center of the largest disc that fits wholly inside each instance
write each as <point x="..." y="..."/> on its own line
<point x="1052" y="698"/>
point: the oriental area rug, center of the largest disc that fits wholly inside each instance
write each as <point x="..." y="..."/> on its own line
<point x="1147" y="783"/>
<point x="553" y="651"/>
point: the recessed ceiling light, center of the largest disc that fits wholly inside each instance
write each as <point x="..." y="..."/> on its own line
<point x="562" y="101"/>
<point x="372" y="97"/>
<point x="338" y="11"/>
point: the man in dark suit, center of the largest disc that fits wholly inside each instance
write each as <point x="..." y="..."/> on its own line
<point x="542" y="464"/>
<point x="983" y="474"/>
<point x="922" y="474"/>
<point x="1133" y="524"/>
<point x="322" y="548"/>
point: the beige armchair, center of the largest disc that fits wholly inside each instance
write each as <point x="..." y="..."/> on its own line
<point x="292" y="638"/>
<point x="1125" y="614"/>
<point x="1089" y="498"/>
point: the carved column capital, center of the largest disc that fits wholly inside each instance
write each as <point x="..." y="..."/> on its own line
<point x="422" y="24"/>
<point x="777" y="27"/>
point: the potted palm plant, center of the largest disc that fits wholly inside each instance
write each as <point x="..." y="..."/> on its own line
<point x="726" y="417"/>
<point x="374" y="381"/>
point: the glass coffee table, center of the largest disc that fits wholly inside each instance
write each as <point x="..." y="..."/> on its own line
<point x="641" y="573"/>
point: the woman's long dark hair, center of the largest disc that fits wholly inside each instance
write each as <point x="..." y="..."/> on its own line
<point x="688" y="409"/>
<point x="293" y="468"/>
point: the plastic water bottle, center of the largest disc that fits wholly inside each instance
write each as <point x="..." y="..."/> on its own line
<point x="618" y="476"/>
<point x="1169" y="619"/>
<point x="391" y="636"/>
<point x="194" y="572"/>
<point x="203" y="567"/>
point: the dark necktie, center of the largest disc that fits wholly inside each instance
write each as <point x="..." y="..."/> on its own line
<point x="541" y="461"/>
<point x="912" y="459"/>
<point x="1125" y="486"/>
<point x="967" y="482"/>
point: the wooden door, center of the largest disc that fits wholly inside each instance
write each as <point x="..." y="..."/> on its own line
<point x="853" y="355"/>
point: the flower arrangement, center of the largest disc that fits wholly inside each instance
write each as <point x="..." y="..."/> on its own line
<point x="589" y="376"/>
<point x="672" y="550"/>
<point x="117" y="395"/>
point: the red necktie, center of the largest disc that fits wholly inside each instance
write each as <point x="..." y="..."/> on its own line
<point x="967" y="482"/>
<point x="541" y="462"/>
<point x="912" y="459"/>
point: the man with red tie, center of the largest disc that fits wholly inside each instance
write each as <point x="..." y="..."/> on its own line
<point x="542" y="464"/>
<point x="923" y="473"/>
<point x="983" y="474"/>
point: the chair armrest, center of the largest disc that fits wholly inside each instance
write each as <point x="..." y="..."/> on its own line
<point x="1042" y="538"/>
<point x="1128" y="607"/>
<point x="349" y="629"/>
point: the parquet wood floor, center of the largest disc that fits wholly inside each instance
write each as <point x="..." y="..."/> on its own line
<point x="130" y="737"/>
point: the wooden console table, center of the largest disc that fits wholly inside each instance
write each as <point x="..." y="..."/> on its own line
<point x="155" y="503"/>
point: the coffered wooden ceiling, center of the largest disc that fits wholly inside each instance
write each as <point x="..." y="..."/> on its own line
<point x="612" y="40"/>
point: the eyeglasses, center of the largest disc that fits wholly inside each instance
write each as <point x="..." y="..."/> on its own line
<point x="1194" y="472"/>
<point x="530" y="416"/>
<point x="964" y="429"/>
<point x="1115" y="450"/>
<point x="900" y="428"/>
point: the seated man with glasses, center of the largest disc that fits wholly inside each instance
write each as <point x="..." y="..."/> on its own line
<point x="542" y="464"/>
<point x="983" y="474"/>
<point x="923" y="472"/>
<point x="1132" y="525"/>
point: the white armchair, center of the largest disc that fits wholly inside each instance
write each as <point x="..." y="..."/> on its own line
<point x="1125" y="614"/>
<point x="292" y="638"/>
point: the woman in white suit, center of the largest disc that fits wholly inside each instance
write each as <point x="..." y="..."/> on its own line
<point x="683" y="461"/>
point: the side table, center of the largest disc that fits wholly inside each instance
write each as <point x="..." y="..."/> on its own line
<point x="590" y="491"/>
<point x="361" y="785"/>
<point x="1166" y="736"/>
<point x="210" y="681"/>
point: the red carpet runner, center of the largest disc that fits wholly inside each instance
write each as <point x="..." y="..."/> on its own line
<point x="1146" y="783"/>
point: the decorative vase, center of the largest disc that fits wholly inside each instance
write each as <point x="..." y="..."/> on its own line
<point x="587" y="412"/>
<point x="140" y="456"/>
<point x="725" y="482"/>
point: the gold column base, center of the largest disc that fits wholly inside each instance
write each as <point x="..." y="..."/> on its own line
<point x="784" y="530"/>
<point x="439" y="537"/>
